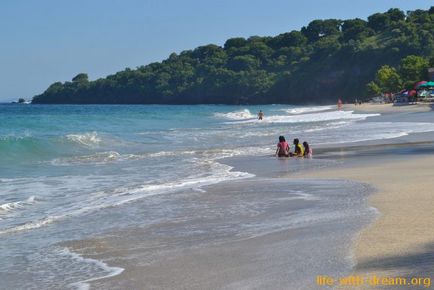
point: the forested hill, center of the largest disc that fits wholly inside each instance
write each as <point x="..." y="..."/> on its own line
<point x="324" y="60"/>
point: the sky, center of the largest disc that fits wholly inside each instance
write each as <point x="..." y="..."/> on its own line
<point x="44" y="41"/>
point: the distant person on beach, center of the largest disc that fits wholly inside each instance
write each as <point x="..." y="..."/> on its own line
<point x="307" y="150"/>
<point x="339" y="104"/>
<point x="298" y="150"/>
<point x="282" y="148"/>
<point x="260" y="115"/>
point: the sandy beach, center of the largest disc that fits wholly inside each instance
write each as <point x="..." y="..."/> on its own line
<point x="400" y="241"/>
<point x="388" y="108"/>
<point x="225" y="245"/>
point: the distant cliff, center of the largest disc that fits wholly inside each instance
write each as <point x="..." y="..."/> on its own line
<point x="324" y="60"/>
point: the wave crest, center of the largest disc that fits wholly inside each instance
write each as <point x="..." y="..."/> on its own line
<point x="10" y="206"/>
<point x="304" y="110"/>
<point x="86" y="139"/>
<point x="309" y="118"/>
<point x="236" y="115"/>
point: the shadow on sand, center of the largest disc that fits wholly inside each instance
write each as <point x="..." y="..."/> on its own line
<point x="417" y="265"/>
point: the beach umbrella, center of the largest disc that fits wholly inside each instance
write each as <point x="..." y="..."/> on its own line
<point x="426" y="85"/>
<point x="419" y="83"/>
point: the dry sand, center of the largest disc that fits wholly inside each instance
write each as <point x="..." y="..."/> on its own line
<point x="388" y="108"/>
<point x="401" y="241"/>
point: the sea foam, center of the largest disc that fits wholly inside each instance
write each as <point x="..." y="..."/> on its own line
<point x="304" y="110"/>
<point x="309" y="118"/>
<point x="10" y="206"/>
<point x="236" y="115"/>
<point x="216" y="173"/>
<point x="86" y="139"/>
<point x="84" y="284"/>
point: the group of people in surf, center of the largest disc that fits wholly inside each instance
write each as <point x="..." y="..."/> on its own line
<point x="283" y="149"/>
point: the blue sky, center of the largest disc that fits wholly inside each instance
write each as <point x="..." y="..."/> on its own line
<point x="43" y="41"/>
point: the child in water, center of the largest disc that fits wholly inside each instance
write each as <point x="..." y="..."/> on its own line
<point x="298" y="150"/>
<point x="307" y="150"/>
<point x="282" y="148"/>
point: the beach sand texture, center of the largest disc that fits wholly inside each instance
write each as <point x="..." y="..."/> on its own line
<point x="400" y="243"/>
<point x="388" y="108"/>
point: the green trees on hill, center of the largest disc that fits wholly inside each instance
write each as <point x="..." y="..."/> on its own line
<point x="411" y="70"/>
<point x="80" y="78"/>
<point x="325" y="60"/>
<point x="388" y="79"/>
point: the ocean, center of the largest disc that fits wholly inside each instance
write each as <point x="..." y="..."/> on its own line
<point x="70" y="172"/>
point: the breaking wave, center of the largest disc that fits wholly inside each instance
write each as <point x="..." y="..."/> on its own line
<point x="86" y="139"/>
<point x="237" y="115"/>
<point x="11" y="206"/>
<point x="304" y="110"/>
<point x="309" y="118"/>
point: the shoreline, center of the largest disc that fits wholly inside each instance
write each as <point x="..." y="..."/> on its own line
<point x="389" y="108"/>
<point x="399" y="242"/>
<point x="259" y="249"/>
<point x="377" y="246"/>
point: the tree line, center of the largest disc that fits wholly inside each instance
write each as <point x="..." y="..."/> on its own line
<point x="324" y="60"/>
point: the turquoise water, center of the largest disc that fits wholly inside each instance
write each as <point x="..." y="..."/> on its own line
<point x="61" y="166"/>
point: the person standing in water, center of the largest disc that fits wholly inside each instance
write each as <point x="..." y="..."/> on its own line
<point x="339" y="104"/>
<point x="282" y="148"/>
<point x="260" y="115"/>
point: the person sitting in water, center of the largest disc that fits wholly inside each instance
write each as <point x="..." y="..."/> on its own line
<point x="298" y="150"/>
<point x="307" y="150"/>
<point x="282" y="148"/>
<point x="260" y="115"/>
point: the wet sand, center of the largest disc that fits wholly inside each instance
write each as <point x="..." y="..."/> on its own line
<point x="251" y="234"/>
<point x="401" y="241"/>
